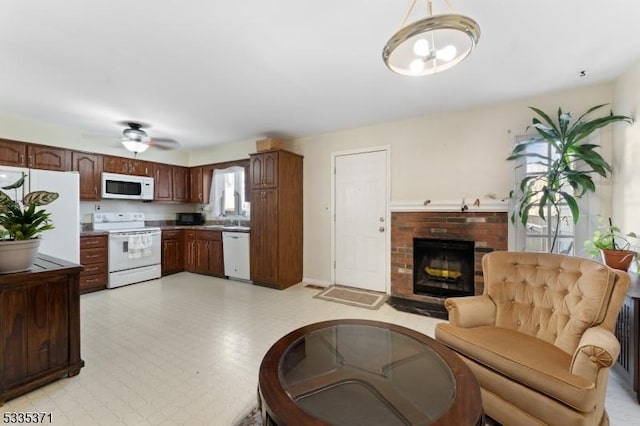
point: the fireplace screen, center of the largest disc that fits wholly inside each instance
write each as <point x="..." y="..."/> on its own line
<point x="443" y="267"/>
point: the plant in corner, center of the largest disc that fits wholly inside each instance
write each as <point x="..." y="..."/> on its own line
<point x="614" y="246"/>
<point x="570" y="165"/>
<point x="21" y="223"/>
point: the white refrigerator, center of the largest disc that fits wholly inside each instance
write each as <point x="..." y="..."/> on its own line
<point x="64" y="240"/>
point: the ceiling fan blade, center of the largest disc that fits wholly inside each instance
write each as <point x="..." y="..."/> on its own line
<point x="164" y="143"/>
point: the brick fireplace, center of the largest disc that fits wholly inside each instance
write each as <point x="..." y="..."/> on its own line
<point x="487" y="231"/>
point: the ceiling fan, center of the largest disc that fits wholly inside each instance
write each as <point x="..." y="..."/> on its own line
<point x="137" y="140"/>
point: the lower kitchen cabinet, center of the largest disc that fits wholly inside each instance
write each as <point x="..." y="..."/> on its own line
<point x="203" y="252"/>
<point x="94" y="257"/>
<point x="172" y="251"/>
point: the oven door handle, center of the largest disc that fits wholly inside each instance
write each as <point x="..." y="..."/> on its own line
<point x="129" y="234"/>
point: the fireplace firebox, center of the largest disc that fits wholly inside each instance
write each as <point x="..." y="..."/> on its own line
<point x="443" y="268"/>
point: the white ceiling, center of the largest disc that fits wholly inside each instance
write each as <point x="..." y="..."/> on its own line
<point x="208" y="72"/>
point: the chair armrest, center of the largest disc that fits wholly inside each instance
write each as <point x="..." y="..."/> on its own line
<point x="598" y="348"/>
<point x="471" y="311"/>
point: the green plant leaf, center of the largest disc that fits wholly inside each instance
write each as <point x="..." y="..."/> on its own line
<point x="16" y="184"/>
<point x="40" y="198"/>
<point x="573" y="205"/>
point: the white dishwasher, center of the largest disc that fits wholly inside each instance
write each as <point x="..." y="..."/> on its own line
<point x="235" y="246"/>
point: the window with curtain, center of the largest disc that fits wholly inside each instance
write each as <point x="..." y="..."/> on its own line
<point x="227" y="193"/>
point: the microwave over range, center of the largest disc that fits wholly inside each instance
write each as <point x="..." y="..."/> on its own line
<point x="127" y="187"/>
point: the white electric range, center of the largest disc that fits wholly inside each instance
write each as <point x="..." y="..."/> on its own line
<point x="134" y="249"/>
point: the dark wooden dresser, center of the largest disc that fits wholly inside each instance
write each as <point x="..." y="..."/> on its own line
<point x="628" y="333"/>
<point x="39" y="326"/>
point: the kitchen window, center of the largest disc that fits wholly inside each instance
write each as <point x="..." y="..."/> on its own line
<point x="227" y="192"/>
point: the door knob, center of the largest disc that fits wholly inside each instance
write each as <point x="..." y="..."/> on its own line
<point x="381" y="229"/>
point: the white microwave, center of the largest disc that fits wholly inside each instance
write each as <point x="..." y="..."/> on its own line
<point x="127" y="187"/>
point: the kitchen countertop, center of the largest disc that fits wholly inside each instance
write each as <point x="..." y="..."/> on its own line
<point x="209" y="227"/>
<point x="246" y="229"/>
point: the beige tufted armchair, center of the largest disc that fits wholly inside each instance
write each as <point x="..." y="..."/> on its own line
<point x="540" y="338"/>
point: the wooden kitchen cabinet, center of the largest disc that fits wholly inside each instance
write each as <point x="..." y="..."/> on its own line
<point x="39" y="326"/>
<point x="172" y="251"/>
<point x="163" y="185"/>
<point x="94" y="257"/>
<point x="127" y="166"/>
<point x="209" y="258"/>
<point x="190" y="250"/>
<point x="200" y="183"/>
<point x="628" y="334"/>
<point x="195" y="185"/>
<point x="48" y="158"/>
<point x="180" y="184"/>
<point x="13" y="153"/>
<point x="21" y="154"/>
<point x="89" y="166"/>
<point x="276" y="219"/>
<point x="264" y="170"/>
<point x="203" y="252"/>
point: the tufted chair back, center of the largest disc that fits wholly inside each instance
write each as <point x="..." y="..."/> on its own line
<point x="553" y="297"/>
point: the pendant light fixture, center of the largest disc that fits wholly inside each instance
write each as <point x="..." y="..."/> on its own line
<point x="430" y="45"/>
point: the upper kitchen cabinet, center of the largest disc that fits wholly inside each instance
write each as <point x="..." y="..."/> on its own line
<point x="264" y="170"/>
<point x="89" y="166"/>
<point x="276" y="219"/>
<point x="48" y="158"/>
<point x="195" y="185"/>
<point x="180" y="184"/>
<point x="13" y="153"/>
<point x="20" y="154"/>
<point x="163" y="185"/>
<point x="127" y="166"/>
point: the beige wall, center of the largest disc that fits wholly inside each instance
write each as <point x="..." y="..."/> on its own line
<point x="444" y="156"/>
<point x="626" y="152"/>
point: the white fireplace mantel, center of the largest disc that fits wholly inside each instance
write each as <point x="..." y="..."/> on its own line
<point x="472" y="204"/>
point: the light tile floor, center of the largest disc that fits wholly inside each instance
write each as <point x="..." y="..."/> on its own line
<point x="186" y="349"/>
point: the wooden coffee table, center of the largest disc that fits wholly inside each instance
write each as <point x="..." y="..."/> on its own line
<point x="360" y="372"/>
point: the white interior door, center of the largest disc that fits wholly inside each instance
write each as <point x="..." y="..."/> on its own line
<point x="360" y="220"/>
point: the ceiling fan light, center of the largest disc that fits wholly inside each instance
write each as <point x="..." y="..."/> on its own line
<point x="136" y="135"/>
<point x="134" y="146"/>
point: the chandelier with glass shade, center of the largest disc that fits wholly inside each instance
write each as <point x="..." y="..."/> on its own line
<point x="432" y="44"/>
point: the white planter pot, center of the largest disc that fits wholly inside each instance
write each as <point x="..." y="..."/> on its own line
<point x="18" y="256"/>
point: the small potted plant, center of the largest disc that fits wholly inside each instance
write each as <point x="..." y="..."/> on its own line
<point x="614" y="246"/>
<point x="21" y="223"/>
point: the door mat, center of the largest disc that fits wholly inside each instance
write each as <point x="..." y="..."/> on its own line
<point x="353" y="297"/>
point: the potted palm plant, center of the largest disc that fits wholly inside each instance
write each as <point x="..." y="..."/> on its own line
<point x="570" y="164"/>
<point x="612" y="245"/>
<point x="21" y="223"/>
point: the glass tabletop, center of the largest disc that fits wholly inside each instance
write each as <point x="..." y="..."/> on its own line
<point x="361" y="374"/>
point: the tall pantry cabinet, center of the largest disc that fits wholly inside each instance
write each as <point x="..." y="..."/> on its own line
<point x="276" y="218"/>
